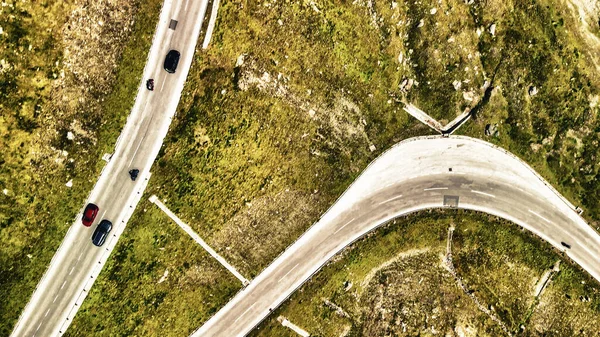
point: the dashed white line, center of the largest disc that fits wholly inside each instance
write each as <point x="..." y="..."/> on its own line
<point x="163" y="84"/>
<point x="483" y="193"/>
<point x="55" y="297"/>
<point x="347" y="223"/>
<point x="540" y="216"/>
<point x="63" y="285"/>
<point x="435" y="188"/>
<point x="47" y="311"/>
<point x="286" y="274"/>
<point x="522" y="190"/>
<point x="36" y="330"/>
<point x="244" y="313"/>
<point x="71" y="272"/>
<point x="392" y="199"/>
<point x="79" y="258"/>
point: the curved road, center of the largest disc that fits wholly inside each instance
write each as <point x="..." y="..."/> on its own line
<point x="78" y="262"/>
<point x="420" y="173"/>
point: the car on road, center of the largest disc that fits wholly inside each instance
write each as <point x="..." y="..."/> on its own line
<point x="101" y="232"/>
<point x="565" y="244"/>
<point x="89" y="214"/>
<point x="171" y="61"/>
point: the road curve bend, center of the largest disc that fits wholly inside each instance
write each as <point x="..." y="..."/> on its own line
<point x="416" y="174"/>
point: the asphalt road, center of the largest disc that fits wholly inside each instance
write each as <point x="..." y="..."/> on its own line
<point x="424" y="173"/>
<point x="77" y="262"/>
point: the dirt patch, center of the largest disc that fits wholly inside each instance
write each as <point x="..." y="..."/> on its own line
<point x="563" y="313"/>
<point x="588" y="12"/>
<point x="342" y="118"/>
<point x="407" y="299"/>
<point x="93" y="36"/>
<point x="280" y="218"/>
<point x="389" y="262"/>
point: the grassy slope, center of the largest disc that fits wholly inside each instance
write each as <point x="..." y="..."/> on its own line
<point x="496" y="259"/>
<point x="231" y="154"/>
<point x="38" y="208"/>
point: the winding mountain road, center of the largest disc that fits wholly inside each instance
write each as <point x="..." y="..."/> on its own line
<point x="416" y="174"/>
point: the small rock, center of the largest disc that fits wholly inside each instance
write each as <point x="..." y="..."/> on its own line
<point x="433" y="11"/>
<point x="400" y="58"/>
<point x="280" y="22"/>
<point x="457" y="84"/>
<point x="312" y="113"/>
<point x="421" y="23"/>
<point x="69" y="183"/>
<point x="70" y="135"/>
<point x="372" y="148"/>
<point x="468" y="96"/>
<point x="394" y="4"/>
<point x="223" y="92"/>
<point x="29" y="256"/>
<point x="493" y="29"/>
<point x="532" y="91"/>
<point x="240" y="60"/>
<point x="5" y="191"/>
<point x="164" y="277"/>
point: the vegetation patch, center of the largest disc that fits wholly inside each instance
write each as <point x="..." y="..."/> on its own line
<point x="288" y="105"/>
<point x="409" y="291"/>
<point x="59" y="112"/>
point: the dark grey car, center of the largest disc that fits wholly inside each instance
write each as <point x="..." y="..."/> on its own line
<point x="101" y="232"/>
<point x="171" y="61"/>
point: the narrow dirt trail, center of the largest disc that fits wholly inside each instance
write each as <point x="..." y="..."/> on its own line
<point x="587" y="11"/>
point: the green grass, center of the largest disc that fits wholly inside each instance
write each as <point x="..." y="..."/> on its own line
<point x="38" y="208"/>
<point x="249" y="167"/>
<point x="496" y="259"/>
<point x="537" y="49"/>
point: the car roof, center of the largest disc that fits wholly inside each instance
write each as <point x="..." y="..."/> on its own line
<point x="105" y="224"/>
<point x="91" y="206"/>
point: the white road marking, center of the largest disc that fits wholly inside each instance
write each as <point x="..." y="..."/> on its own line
<point x="435" y="188"/>
<point x="186" y="4"/>
<point x="134" y="153"/>
<point x="540" y="216"/>
<point x="286" y="274"/>
<point x="522" y="190"/>
<point x="483" y="193"/>
<point x="47" y="311"/>
<point x="71" y="272"/>
<point x="55" y="298"/>
<point x="163" y="84"/>
<point x="36" y="330"/>
<point x="63" y="284"/>
<point x="79" y="258"/>
<point x="244" y="312"/>
<point x="347" y="223"/>
<point x="392" y="199"/>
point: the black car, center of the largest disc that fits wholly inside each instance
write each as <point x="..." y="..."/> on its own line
<point x="566" y="245"/>
<point x="101" y="232"/>
<point x="171" y="61"/>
